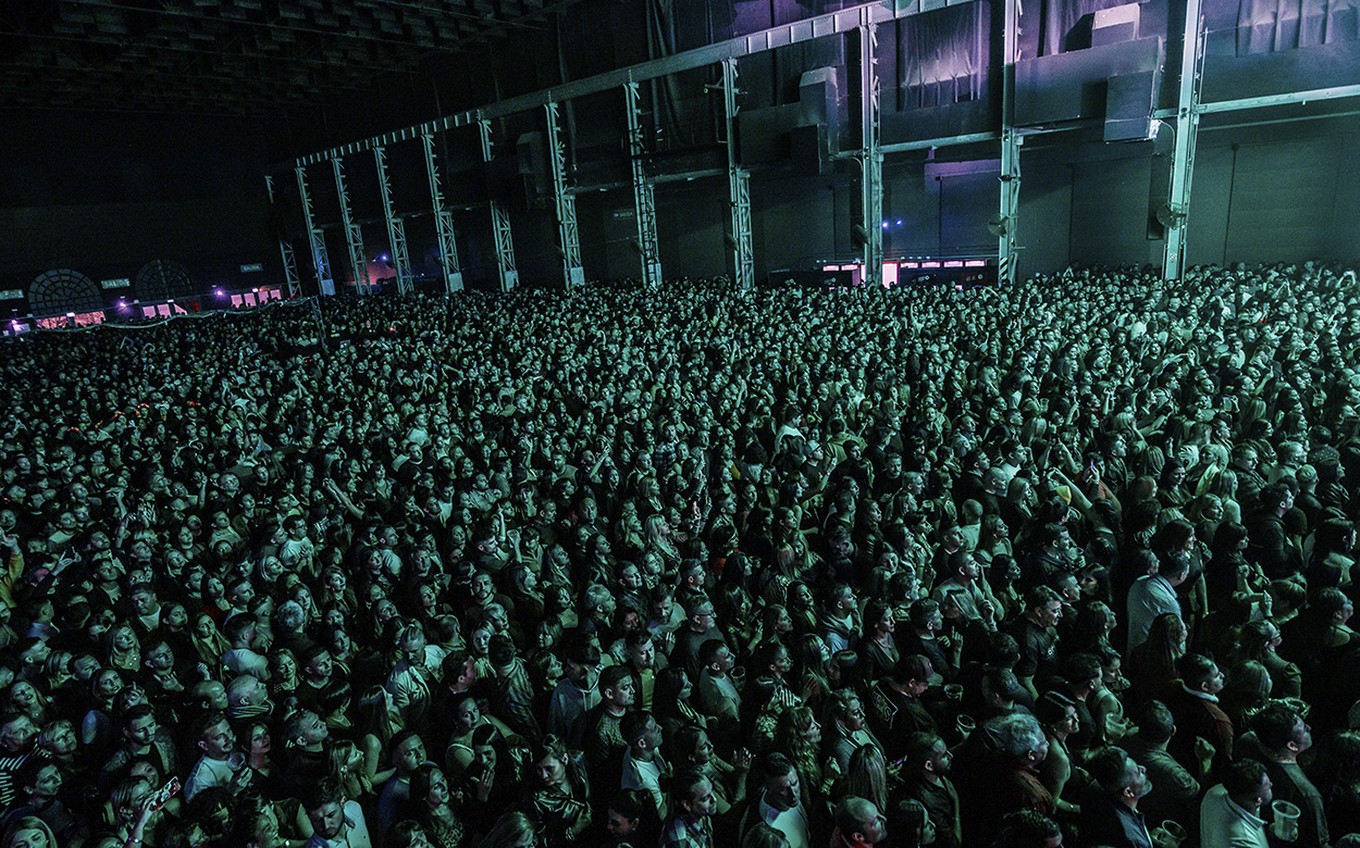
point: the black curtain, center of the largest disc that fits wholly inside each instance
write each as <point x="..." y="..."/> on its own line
<point x="943" y="56"/>
<point x="1269" y="26"/>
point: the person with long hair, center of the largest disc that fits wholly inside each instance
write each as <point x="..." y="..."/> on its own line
<point x="345" y="763"/>
<point x="993" y="540"/>
<point x="1106" y="703"/>
<point x="799" y="736"/>
<point x="1259" y="641"/>
<point x="259" y="747"/>
<point x="659" y="535"/>
<point x="256" y="825"/>
<point x="23" y="698"/>
<point x="123" y="650"/>
<point x="671" y="700"/>
<point x="374" y="727"/>
<point x="1334" y="769"/>
<point x="1091" y="631"/>
<point x="1229" y="575"/>
<point x="283" y="674"/>
<point x="866" y="776"/>
<point x="811" y="671"/>
<point x="876" y="639"/>
<point x="1153" y="663"/>
<point x="769" y="694"/>
<point x="431" y="801"/>
<point x="1057" y="715"/>
<point x="802" y="607"/>
<point x="512" y="830"/>
<point x="28" y="832"/>
<point x="1245" y="691"/>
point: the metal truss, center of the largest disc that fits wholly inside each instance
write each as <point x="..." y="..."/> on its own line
<point x="354" y="234"/>
<point x="774" y="38"/>
<point x="443" y="220"/>
<point x="500" y="223"/>
<point x="564" y="201"/>
<point x="1008" y="214"/>
<point x="870" y="157"/>
<point x="1183" y="154"/>
<point x="396" y="228"/>
<point x="644" y="199"/>
<point x="290" y="272"/>
<point x="321" y="260"/>
<point x="738" y="187"/>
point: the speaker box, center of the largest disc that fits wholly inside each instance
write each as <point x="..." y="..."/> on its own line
<point x="1128" y="106"/>
<point x="818" y="92"/>
<point x="531" y="151"/>
<point x="1116" y="24"/>
<point x="808" y="149"/>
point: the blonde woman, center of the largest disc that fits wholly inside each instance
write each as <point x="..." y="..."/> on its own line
<point x="345" y="763"/>
<point x="866" y="776"/>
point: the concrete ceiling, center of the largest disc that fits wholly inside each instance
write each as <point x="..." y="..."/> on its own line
<point x="246" y="57"/>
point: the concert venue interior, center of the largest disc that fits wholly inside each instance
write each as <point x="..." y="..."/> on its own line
<point x="679" y="423"/>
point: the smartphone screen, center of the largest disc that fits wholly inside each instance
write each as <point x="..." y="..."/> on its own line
<point x="165" y="793"/>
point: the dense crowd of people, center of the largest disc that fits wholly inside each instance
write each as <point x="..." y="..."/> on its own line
<point x="1063" y="563"/>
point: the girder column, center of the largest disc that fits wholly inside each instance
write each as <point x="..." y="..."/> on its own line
<point x="644" y="200"/>
<point x="1010" y="150"/>
<point x="290" y="272"/>
<point x="1183" y="154"/>
<point x="354" y="234"/>
<point x="564" y="201"/>
<point x="869" y="209"/>
<point x="396" y="228"/>
<point x="443" y="220"/>
<point x="321" y="260"/>
<point x="738" y="187"/>
<point x="500" y="223"/>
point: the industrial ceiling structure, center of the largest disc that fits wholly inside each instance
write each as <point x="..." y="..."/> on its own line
<point x="243" y="57"/>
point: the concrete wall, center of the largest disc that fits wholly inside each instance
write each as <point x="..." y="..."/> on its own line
<point x="1276" y="192"/>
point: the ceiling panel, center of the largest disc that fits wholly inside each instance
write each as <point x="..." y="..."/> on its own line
<point x="234" y="56"/>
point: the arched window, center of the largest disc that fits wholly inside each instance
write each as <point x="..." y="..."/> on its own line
<point x="62" y="290"/>
<point x="160" y="280"/>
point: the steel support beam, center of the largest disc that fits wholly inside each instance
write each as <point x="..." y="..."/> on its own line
<point x="1008" y="213"/>
<point x="743" y="263"/>
<point x="867" y="221"/>
<point x="396" y="228"/>
<point x="564" y="202"/>
<point x="644" y="200"/>
<point x="292" y="282"/>
<point x="500" y="223"/>
<point x="1183" y="153"/>
<point x="354" y="234"/>
<point x="822" y="26"/>
<point x="1294" y="97"/>
<point x="927" y="143"/>
<point x="321" y="260"/>
<point x="443" y="220"/>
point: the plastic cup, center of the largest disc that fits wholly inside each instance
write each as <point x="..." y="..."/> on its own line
<point x="1286" y="824"/>
<point x="1173" y="834"/>
<point x="965" y="724"/>
<point x="953" y="691"/>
